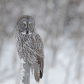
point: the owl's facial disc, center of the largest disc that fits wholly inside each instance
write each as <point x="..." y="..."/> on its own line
<point x="26" y="25"/>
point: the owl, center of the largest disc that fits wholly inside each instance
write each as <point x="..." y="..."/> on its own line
<point x="30" y="45"/>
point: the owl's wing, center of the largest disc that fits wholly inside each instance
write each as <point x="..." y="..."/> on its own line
<point x="40" y="57"/>
<point x="39" y="46"/>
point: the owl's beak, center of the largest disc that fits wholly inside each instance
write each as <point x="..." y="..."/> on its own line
<point x="27" y="31"/>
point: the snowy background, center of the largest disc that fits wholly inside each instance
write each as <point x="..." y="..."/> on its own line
<point x="60" y="24"/>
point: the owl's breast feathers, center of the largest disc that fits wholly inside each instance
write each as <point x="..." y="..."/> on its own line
<point x="34" y="43"/>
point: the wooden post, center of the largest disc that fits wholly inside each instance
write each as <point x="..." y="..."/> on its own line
<point x="25" y="72"/>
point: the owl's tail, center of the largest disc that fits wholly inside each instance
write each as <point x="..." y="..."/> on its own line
<point x="37" y="73"/>
<point x="38" y="68"/>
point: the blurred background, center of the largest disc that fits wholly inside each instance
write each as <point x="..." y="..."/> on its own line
<point x="60" y="24"/>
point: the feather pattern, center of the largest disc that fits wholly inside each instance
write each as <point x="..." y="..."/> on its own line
<point x="30" y="47"/>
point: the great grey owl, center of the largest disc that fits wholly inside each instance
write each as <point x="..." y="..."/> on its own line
<point x="29" y="45"/>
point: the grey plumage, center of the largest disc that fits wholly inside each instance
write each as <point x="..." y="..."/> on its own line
<point x="29" y="45"/>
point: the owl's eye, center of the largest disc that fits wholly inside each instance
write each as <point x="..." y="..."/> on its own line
<point x="30" y="24"/>
<point x="24" y="24"/>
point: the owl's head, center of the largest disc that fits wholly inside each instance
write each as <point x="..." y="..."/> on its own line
<point x="26" y="24"/>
